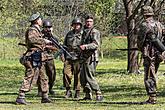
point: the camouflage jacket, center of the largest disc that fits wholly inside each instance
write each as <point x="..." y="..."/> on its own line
<point x="147" y="28"/>
<point x="34" y="41"/>
<point x="72" y="41"/>
<point x="33" y="38"/>
<point x="92" y="42"/>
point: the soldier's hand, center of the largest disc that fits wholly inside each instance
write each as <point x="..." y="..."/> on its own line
<point x="50" y="47"/>
<point x="48" y="41"/>
<point x="82" y="47"/>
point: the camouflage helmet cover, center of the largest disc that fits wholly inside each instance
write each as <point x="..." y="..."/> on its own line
<point x="76" y="21"/>
<point x="34" y="16"/>
<point x="147" y="10"/>
<point x="47" y="23"/>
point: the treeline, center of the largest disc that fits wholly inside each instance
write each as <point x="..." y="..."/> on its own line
<point x="15" y="13"/>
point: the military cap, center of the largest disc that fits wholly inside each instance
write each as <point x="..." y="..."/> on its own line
<point x="89" y="16"/>
<point x="76" y="21"/>
<point x="34" y="16"/>
<point x="147" y="10"/>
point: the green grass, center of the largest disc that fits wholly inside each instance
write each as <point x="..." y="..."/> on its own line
<point x="122" y="91"/>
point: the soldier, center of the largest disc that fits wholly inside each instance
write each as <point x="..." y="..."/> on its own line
<point x="33" y="61"/>
<point x="150" y="44"/>
<point x="72" y="65"/>
<point x="49" y="64"/>
<point x="90" y="43"/>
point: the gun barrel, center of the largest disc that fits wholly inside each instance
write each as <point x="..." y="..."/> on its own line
<point x="58" y="45"/>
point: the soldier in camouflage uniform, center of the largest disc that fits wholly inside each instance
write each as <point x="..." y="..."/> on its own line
<point x="90" y="42"/>
<point x="33" y="61"/>
<point x="149" y="43"/>
<point x="72" y="65"/>
<point x="49" y="64"/>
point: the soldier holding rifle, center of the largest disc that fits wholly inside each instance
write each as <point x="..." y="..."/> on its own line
<point x="33" y="60"/>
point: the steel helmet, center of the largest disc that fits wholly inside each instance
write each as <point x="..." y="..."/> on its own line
<point x="76" y="21"/>
<point x="47" y="23"/>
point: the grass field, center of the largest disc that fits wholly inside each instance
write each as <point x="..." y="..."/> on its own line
<point x="122" y="91"/>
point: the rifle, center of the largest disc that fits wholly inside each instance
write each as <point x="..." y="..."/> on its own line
<point x="59" y="46"/>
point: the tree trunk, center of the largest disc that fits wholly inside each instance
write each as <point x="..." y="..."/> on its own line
<point x="132" y="66"/>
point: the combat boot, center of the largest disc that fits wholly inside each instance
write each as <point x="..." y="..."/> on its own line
<point x="46" y="100"/>
<point x="51" y="92"/>
<point x="151" y="100"/>
<point x="21" y="101"/>
<point x="39" y="94"/>
<point x="88" y="96"/>
<point x="68" y="94"/>
<point x="99" y="96"/>
<point x="77" y="94"/>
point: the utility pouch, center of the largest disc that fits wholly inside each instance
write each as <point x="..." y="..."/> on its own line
<point x="23" y="59"/>
<point x="36" y="59"/>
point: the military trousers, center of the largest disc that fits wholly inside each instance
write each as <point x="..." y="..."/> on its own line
<point x="50" y="72"/>
<point x="31" y="77"/>
<point x="150" y="75"/>
<point x="71" y="69"/>
<point x="88" y="82"/>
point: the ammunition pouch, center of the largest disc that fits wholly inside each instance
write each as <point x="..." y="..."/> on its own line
<point x="85" y="54"/>
<point x="23" y="59"/>
<point x="36" y="58"/>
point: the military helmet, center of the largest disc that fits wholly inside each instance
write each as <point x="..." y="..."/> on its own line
<point x="34" y="16"/>
<point x="47" y="23"/>
<point x="147" y="10"/>
<point x="76" y="21"/>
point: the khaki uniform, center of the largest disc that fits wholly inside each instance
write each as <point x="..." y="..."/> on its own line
<point x="72" y="67"/>
<point x="88" y="68"/>
<point x="150" y="53"/>
<point x="34" y="42"/>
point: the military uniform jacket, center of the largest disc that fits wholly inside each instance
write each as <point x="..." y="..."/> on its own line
<point x="147" y="28"/>
<point x="34" y="41"/>
<point x="92" y="42"/>
<point x="72" y="41"/>
<point x="33" y="38"/>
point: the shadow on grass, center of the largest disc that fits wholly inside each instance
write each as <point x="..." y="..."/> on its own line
<point x="8" y="93"/>
<point x="9" y="102"/>
<point x="111" y="71"/>
<point x="117" y="103"/>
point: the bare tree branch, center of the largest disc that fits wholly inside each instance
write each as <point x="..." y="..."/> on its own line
<point x="136" y="10"/>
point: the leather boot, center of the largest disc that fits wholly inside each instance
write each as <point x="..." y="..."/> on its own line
<point x="21" y="101"/>
<point x="39" y="94"/>
<point x="88" y="96"/>
<point x="46" y="100"/>
<point x="151" y="100"/>
<point x="99" y="96"/>
<point x="51" y="92"/>
<point x="77" y="94"/>
<point x="68" y="94"/>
